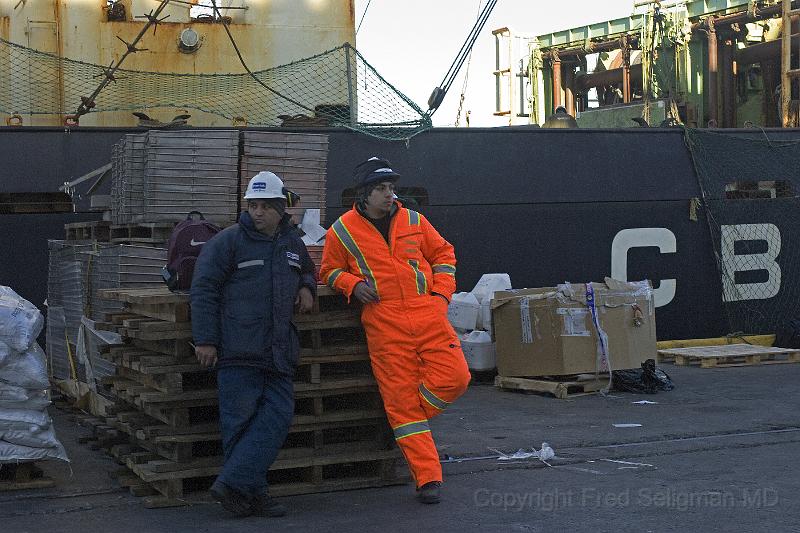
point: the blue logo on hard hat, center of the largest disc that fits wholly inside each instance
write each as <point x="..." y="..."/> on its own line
<point x="260" y="186"/>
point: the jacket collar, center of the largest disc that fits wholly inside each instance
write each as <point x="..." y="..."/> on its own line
<point x="246" y="222"/>
<point x="361" y="210"/>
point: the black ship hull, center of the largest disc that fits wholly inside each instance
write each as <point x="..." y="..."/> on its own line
<point x="545" y="206"/>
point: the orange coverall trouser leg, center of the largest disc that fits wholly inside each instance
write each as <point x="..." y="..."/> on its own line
<point x="420" y="369"/>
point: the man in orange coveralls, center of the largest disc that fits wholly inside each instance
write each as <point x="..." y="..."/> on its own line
<point x="394" y="262"/>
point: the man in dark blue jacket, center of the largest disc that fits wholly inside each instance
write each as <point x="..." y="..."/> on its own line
<point x="247" y="283"/>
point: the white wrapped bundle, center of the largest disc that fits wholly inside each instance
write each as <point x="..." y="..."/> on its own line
<point x="10" y="453"/>
<point x="20" y="321"/>
<point x="26" y="369"/>
<point x="13" y="397"/>
<point x="25" y="419"/>
<point x="42" y="438"/>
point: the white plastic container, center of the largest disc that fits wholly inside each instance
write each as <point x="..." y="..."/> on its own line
<point x="484" y="291"/>
<point x="485" y="317"/>
<point x="479" y="351"/>
<point x="463" y="311"/>
<point x="489" y="284"/>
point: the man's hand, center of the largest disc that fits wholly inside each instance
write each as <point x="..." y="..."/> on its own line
<point x="365" y="293"/>
<point x="206" y="355"/>
<point x="304" y="301"/>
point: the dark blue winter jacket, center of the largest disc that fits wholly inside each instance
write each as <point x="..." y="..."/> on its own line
<point x="231" y="302"/>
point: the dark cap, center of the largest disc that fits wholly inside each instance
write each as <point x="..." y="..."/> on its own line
<point x="373" y="170"/>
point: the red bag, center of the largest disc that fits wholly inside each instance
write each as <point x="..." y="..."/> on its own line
<point x="185" y="243"/>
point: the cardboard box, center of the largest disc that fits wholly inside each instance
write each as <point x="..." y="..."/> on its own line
<point x="549" y="331"/>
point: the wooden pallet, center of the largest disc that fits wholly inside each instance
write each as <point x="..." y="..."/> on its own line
<point x="23" y="476"/>
<point x="96" y="230"/>
<point x="569" y="387"/>
<point x="147" y="233"/>
<point x="156" y="303"/>
<point x="731" y="355"/>
<point x="165" y="427"/>
<point x="339" y="451"/>
<point x="330" y="434"/>
<point x="180" y="482"/>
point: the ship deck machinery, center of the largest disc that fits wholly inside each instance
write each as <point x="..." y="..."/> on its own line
<point x="703" y="63"/>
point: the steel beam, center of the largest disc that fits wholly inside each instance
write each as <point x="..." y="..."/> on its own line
<point x="711" y="36"/>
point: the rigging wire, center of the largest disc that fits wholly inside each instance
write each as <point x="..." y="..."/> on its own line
<point x="466" y="80"/>
<point x="250" y="72"/>
<point x="438" y="94"/>
<point x="364" y="14"/>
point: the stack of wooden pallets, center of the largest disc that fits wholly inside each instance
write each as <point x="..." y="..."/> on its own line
<point x="166" y="404"/>
<point x="300" y="159"/>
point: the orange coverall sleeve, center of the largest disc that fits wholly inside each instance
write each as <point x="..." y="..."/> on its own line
<point x="441" y="255"/>
<point x="335" y="269"/>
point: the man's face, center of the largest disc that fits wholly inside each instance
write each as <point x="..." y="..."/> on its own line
<point x="381" y="197"/>
<point x="265" y="218"/>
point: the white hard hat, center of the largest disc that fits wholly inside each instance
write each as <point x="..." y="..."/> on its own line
<point x="265" y="184"/>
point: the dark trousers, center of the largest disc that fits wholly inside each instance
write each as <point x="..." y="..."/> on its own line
<point x="255" y="412"/>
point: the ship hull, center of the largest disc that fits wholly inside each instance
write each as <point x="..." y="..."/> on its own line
<point x="545" y="206"/>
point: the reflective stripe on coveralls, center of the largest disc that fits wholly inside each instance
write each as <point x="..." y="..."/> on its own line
<point x="349" y="243"/>
<point x="422" y="284"/>
<point x="333" y="275"/>
<point x="444" y="269"/>
<point x="411" y="428"/>
<point x="432" y="399"/>
<point x="413" y="218"/>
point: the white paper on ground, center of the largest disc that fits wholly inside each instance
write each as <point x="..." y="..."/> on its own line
<point x="627" y="425"/>
<point x="645" y="402"/>
<point x="625" y="462"/>
<point x="545" y="454"/>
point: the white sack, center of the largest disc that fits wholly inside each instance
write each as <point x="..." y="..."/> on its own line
<point x="20" y="321"/>
<point x="27" y="369"/>
<point x="43" y="438"/>
<point x="23" y="419"/>
<point x="13" y="397"/>
<point x="10" y="453"/>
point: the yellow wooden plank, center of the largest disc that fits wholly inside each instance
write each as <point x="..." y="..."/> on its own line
<point x="760" y="340"/>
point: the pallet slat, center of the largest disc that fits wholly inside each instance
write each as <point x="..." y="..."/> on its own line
<point x="561" y="389"/>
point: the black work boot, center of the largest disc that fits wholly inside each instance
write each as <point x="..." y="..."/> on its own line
<point x="264" y="505"/>
<point x="429" y="492"/>
<point x="232" y="501"/>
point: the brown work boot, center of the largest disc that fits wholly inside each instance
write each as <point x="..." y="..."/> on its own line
<point x="429" y="492"/>
<point x="264" y="505"/>
<point x="232" y="500"/>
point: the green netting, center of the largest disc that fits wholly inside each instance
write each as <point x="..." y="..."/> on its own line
<point x="336" y="88"/>
<point x="750" y="185"/>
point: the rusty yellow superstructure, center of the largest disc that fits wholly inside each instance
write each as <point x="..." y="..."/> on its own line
<point x="190" y="41"/>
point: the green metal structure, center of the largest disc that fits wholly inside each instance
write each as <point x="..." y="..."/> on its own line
<point x="697" y="62"/>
